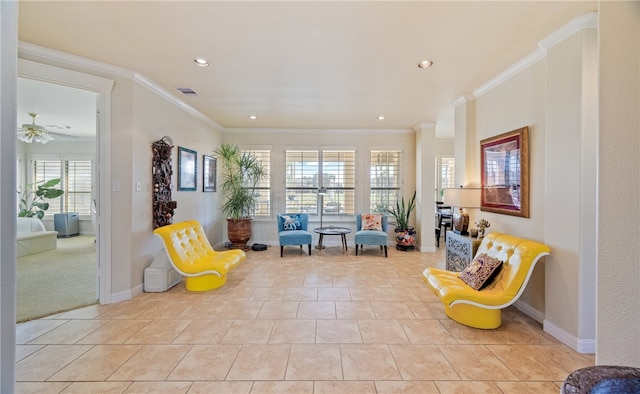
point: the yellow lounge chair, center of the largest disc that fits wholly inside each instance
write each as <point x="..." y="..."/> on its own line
<point x="192" y="256"/>
<point x="482" y="308"/>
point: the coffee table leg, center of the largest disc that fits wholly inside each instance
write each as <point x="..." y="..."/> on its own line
<point x="344" y="241"/>
<point x="320" y="244"/>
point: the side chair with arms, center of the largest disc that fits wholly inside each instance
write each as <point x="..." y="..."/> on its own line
<point x="370" y="233"/>
<point x="292" y="230"/>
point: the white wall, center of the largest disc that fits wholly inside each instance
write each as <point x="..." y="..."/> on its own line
<point x="570" y="220"/>
<point x="618" y="284"/>
<point x="153" y="118"/>
<point x="265" y="230"/>
<point x="518" y="102"/>
<point x="553" y="92"/>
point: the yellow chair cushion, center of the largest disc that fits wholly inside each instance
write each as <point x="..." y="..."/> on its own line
<point x="192" y="256"/>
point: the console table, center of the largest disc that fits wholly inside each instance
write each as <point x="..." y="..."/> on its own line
<point x="461" y="250"/>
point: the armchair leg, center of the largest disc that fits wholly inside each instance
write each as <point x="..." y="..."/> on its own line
<point x="281" y="250"/>
<point x="385" y="250"/>
<point x="309" y="249"/>
<point x="356" y="249"/>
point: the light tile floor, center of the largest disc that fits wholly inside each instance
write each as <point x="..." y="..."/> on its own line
<point x="334" y="323"/>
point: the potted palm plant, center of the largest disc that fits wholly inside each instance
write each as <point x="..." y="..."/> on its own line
<point x="242" y="172"/>
<point x="405" y="234"/>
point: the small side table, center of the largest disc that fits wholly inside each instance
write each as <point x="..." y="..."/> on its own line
<point x="341" y="231"/>
<point x="461" y="250"/>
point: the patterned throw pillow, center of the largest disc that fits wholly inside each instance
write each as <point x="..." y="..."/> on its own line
<point x="372" y="221"/>
<point x="291" y="222"/>
<point x="480" y="271"/>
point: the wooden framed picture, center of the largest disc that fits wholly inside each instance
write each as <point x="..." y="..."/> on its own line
<point x="187" y="169"/>
<point x="505" y="173"/>
<point x="209" y="168"/>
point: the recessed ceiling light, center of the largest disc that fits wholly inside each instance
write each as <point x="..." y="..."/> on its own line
<point x="381" y="117"/>
<point x="425" y="64"/>
<point x="253" y="117"/>
<point x="201" y="62"/>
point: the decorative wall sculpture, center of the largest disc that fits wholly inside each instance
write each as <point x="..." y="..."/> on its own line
<point x="162" y="170"/>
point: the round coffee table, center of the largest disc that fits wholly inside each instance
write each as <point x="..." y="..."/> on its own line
<point x="331" y="230"/>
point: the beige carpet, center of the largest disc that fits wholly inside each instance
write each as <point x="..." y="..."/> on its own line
<point x="57" y="280"/>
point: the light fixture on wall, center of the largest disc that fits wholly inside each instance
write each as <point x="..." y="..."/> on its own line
<point x="466" y="197"/>
<point x="33" y="133"/>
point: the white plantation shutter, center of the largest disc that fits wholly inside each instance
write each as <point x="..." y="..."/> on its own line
<point x="386" y="179"/>
<point x="78" y="185"/>
<point x="263" y="189"/>
<point x="301" y="180"/>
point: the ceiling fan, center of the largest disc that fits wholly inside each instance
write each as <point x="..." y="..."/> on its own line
<point x="32" y="132"/>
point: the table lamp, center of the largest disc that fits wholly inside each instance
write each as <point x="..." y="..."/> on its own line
<point x="462" y="197"/>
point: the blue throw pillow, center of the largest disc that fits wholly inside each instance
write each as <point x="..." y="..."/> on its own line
<point x="291" y="222"/>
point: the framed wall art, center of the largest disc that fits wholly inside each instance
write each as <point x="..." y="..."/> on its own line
<point x="187" y="169"/>
<point x="209" y="168"/>
<point x="505" y="173"/>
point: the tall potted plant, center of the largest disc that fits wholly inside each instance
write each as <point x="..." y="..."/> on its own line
<point x="242" y="172"/>
<point x="405" y="234"/>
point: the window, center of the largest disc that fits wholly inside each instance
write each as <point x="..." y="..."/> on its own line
<point x="386" y="180"/>
<point x="46" y="170"/>
<point x="339" y="177"/>
<point x="263" y="188"/>
<point x="444" y="175"/>
<point x="338" y="169"/>
<point x="77" y="186"/>
<point x="76" y="181"/>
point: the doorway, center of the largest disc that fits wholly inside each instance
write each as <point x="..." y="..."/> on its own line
<point x="100" y="89"/>
<point x="56" y="140"/>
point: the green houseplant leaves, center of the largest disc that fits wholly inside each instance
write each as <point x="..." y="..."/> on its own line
<point x="31" y="202"/>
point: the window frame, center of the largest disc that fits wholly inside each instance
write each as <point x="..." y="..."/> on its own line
<point x="399" y="187"/>
<point x="269" y="189"/>
<point x="62" y="159"/>
<point x="319" y="180"/>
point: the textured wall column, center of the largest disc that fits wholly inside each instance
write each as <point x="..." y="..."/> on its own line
<point x="8" y="82"/>
<point x="618" y="247"/>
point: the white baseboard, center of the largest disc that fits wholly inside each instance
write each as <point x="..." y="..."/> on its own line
<point x="577" y="344"/>
<point x="529" y="311"/>
<point x="126" y="295"/>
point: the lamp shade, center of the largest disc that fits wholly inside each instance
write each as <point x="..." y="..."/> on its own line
<point x="462" y="197"/>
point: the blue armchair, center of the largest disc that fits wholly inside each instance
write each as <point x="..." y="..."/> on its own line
<point x="371" y="237"/>
<point x="292" y="230"/>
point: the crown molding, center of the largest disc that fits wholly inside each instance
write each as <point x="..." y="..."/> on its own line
<point x="28" y="49"/>
<point x="465" y="98"/>
<point x="586" y="21"/>
<point x="32" y="50"/>
<point x="160" y="91"/>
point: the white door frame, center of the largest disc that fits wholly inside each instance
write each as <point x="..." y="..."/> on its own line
<point x="102" y="87"/>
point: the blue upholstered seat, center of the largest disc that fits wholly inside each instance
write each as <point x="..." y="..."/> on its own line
<point x="292" y="230"/>
<point x="371" y="237"/>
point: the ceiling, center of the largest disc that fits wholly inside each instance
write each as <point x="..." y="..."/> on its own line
<point x="305" y="64"/>
<point x="62" y="110"/>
